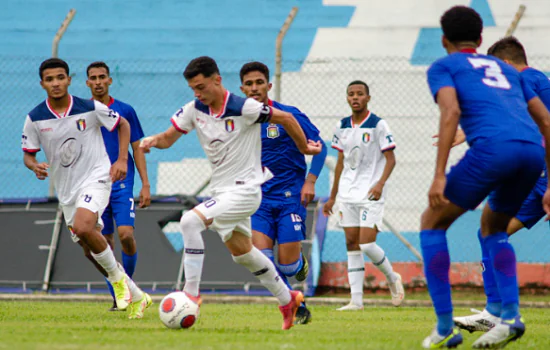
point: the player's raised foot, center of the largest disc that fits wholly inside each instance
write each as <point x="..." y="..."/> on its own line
<point x="436" y="341"/>
<point x="350" y="307"/>
<point x="397" y="291"/>
<point x="302" y="274"/>
<point x="137" y="308"/>
<point x="501" y="334"/>
<point x="114" y="308"/>
<point x="289" y="310"/>
<point x="122" y="293"/>
<point x="481" y="321"/>
<point x="303" y="315"/>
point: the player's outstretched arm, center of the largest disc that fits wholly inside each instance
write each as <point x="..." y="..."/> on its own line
<point x="120" y="167"/>
<point x="39" y="169"/>
<point x="292" y="127"/>
<point x="448" y="124"/>
<point x="327" y="208"/>
<point x="163" y="140"/>
<point x="141" y="165"/>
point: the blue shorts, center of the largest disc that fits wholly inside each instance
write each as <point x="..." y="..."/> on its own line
<point x="506" y="172"/>
<point x="531" y="211"/>
<point x="284" y="221"/>
<point x="120" y="209"/>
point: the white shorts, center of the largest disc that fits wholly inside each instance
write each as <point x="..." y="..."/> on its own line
<point x="368" y="214"/>
<point x="94" y="197"/>
<point x="231" y="211"/>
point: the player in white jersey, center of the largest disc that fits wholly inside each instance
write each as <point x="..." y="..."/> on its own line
<point x="365" y="161"/>
<point x="68" y="129"/>
<point x="228" y="127"/>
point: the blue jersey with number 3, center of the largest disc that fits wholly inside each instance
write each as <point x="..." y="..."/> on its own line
<point x="492" y="96"/>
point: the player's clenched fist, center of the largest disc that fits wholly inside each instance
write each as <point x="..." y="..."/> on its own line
<point x="313" y="147"/>
<point x="148" y="143"/>
<point x="41" y="170"/>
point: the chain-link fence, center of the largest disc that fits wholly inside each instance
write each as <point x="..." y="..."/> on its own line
<point x="157" y="89"/>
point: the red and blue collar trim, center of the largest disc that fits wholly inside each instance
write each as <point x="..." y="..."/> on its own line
<point x="67" y="111"/>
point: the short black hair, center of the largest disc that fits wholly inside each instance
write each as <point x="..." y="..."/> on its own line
<point x="201" y="65"/>
<point x="461" y="23"/>
<point x="53" y="63"/>
<point x="98" y="64"/>
<point x="360" y="82"/>
<point x="508" y="48"/>
<point x="254" y="67"/>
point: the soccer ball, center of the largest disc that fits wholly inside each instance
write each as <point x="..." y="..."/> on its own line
<point x="177" y="311"/>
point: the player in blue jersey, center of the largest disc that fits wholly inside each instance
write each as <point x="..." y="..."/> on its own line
<point x="506" y="157"/>
<point x="121" y="203"/>
<point x="511" y="51"/>
<point x="281" y="216"/>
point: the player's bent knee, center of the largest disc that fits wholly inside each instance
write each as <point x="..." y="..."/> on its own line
<point x="126" y="235"/>
<point x="191" y="227"/>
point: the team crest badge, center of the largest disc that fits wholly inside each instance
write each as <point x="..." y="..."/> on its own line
<point x="366" y="137"/>
<point x="273" y="131"/>
<point x="81" y="124"/>
<point x="229" y="125"/>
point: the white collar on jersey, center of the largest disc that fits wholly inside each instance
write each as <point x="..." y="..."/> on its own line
<point x="353" y="125"/>
<point x="225" y="100"/>
<point x="67" y="111"/>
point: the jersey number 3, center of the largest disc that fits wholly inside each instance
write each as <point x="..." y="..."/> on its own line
<point x="493" y="73"/>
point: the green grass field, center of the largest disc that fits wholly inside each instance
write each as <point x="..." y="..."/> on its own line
<point x="88" y="325"/>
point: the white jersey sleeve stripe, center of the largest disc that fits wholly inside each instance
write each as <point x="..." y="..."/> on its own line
<point x="177" y="127"/>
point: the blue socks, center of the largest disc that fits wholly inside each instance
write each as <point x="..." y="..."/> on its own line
<point x="290" y="270"/>
<point x="494" y="302"/>
<point x="129" y="263"/>
<point x="503" y="260"/>
<point x="436" y="268"/>
<point x="111" y="290"/>
<point x="269" y="254"/>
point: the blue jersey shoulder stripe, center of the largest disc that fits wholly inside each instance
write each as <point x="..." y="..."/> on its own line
<point x="371" y="121"/>
<point x="41" y="112"/>
<point x="81" y="105"/>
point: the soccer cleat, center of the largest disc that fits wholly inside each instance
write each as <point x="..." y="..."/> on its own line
<point x="137" y="308"/>
<point x="303" y="315"/>
<point x="481" y="321"/>
<point x="501" y="334"/>
<point x="450" y="340"/>
<point x="397" y="291"/>
<point x="350" y="307"/>
<point x="196" y="299"/>
<point x="289" y="310"/>
<point x="122" y="293"/>
<point x="113" y="308"/>
<point x="302" y="274"/>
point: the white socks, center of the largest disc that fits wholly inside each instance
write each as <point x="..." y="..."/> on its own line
<point x="379" y="259"/>
<point x="191" y="227"/>
<point x="107" y="260"/>
<point x="264" y="270"/>
<point x="356" y="276"/>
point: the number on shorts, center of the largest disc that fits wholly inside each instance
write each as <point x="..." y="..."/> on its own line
<point x="131" y="205"/>
<point x="295" y="218"/>
<point x="364" y="215"/>
<point x="87" y="198"/>
<point x="493" y="73"/>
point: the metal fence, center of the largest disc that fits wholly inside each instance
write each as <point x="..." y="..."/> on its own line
<point x="156" y="89"/>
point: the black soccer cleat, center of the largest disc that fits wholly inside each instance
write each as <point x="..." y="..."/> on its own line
<point x="303" y="315"/>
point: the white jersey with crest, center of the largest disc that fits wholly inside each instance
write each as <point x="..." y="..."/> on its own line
<point x="72" y="142"/>
<point x="231" y="139"/>
<point x="363" y="145"/>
